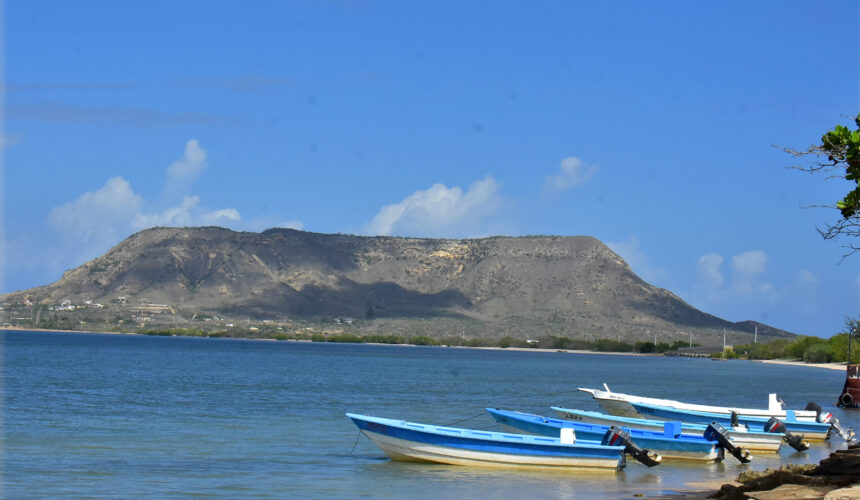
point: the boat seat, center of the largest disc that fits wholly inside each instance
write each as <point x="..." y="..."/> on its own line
<point x="672" y="429"/>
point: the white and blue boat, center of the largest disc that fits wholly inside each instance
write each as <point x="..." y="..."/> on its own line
<point x="810" y="430"/>
<point x="740" y="435"/>
<point x="413" y="442"/>
<point x="618" y="403"/>
<point x="670" y="443"/>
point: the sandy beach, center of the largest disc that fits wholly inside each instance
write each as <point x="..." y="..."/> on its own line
<point x="828" y="366"/>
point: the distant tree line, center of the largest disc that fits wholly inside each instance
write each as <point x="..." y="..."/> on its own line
<point x="806" y="348"/>
<point x="551" y="342"/>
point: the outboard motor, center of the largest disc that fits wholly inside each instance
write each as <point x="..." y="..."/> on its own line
<point x="824" y="417"/>
<point x="617" y="436"/>
<point x="736" y="422"/>
<point x="796" y="441"/>
<point x="718" y="433"/>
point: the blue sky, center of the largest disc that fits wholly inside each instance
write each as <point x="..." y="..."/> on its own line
<point x="652" y="126"/>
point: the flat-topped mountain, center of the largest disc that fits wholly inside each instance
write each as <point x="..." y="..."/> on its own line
<point x="572" y="286"/>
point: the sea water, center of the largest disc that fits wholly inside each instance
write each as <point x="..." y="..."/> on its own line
<point x="128" y="415"/>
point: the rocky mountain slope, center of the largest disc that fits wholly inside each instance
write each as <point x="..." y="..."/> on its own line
<point x="548" y="285"/>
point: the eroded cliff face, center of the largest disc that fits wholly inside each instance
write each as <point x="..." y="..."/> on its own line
<point x="555" y="284"/>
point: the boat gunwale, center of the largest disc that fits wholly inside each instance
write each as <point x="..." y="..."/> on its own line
<point x="490" y="436"/>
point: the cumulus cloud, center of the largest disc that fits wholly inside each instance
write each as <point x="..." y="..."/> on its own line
<point x="747" y="271"/>
<point x="174" y="216"/>
<point x="97" y="220"/>
<point x="223" y="216"/>
<point x="182" y="173"/>
<point x="81" y="229"/>
<point x="749" y="265"/>
<point x="440" y="211"/>
<point x="632" y="253"/>
<point x="97" y="214"/>
<point x="708" y="271"/>
<point x="572" y="173"/>
<point x="747" y="285"/>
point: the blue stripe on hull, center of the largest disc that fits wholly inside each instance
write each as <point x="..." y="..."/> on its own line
<point x="493" y="442"/>
<point x="812" y="430"/>
<point x="752" y="440"/>
<point x="684" y="446"/>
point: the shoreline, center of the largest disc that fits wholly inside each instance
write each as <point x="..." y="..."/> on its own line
<point x="828" y="366"/>
<point x="788" y="362"/>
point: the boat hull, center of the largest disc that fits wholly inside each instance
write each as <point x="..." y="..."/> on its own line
<point x="680" y="447"/>
<point x="850" y="395"/>
<point x="813" y="431"/>
<point x="753" y="441"/>
<point x="620" y="404"/>
<point x="407" y="441"/>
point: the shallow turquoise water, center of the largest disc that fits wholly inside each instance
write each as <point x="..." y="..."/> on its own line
<point x="122" y="415"/>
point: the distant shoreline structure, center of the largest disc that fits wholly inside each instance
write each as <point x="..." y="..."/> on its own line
<point x="787" y="362"/>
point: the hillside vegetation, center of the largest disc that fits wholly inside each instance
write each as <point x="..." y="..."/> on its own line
<point x="524" y="288"/>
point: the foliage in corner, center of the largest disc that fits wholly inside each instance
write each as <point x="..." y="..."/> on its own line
<point x="841" y="148"/>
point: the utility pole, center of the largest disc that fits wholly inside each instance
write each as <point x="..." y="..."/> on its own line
<point x="755" y="338"/>
<point x="691" y="338"/>
<point x="724" y="340"/>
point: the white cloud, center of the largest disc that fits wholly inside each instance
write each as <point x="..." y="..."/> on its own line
<point x="223" y="216"/>
<point x="749" y="265"/>
<point x="97" y="220"/>
<point x="173" y="216"/>
<point x="182" y="173"/>
<point x="632" y="253"/>
<point x="708" y="271"/>
<point x="97" y="214"/>
<point x="572" y="173"/>
<point x="806" y="279"/>
<point x="747" y="271"/>
<point x="80" y="229"/>
<point x="440" y="211"/>
<point x="747" y="288"/>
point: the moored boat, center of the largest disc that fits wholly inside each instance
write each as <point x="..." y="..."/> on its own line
<point x="413" y="442"/>
<point x="740" y="435"/>
<point x="850" y="396"/>
<point x="617" y="403"/>
<point x="669" y="443"/>
<point x="810" y="430"/>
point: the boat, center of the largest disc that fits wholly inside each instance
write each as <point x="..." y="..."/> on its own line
<point x="617" y="403"/>
<point x="414" y="442"/>
<point x="811" y="430"/>
<point x="669" y="443"/>
<point x="850" y="395"/>
<point x="740" y="435"/>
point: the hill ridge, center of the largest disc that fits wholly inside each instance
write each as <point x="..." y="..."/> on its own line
<point x="571" y="286"/>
